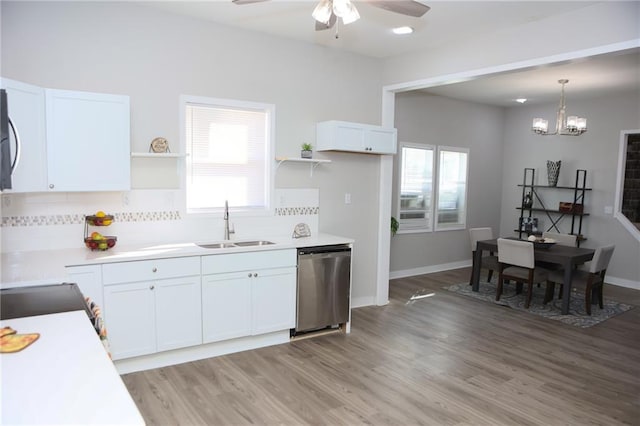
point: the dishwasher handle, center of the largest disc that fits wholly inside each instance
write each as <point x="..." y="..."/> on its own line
<point x="325" y="250"/>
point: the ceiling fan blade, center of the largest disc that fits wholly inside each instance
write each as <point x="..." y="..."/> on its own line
<point x="320" y="26"/>
<point x="241" y="2"/>
<point x="404" y="7"/>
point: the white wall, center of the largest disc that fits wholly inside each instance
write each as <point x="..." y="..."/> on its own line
<point x="435" y="120"/>
<point x="595" y="151"/>
<point x="154" y="57"/>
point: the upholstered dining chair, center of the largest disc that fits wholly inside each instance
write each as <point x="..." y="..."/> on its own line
<point x="516" y="262"/>
<point x="591" y="279"/>
<point x="562" y="239"/>
<point x="490" y="261"/>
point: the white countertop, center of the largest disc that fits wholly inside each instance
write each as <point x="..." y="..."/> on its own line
<point x="64" y="377"/>
<point x="48" y="266"/>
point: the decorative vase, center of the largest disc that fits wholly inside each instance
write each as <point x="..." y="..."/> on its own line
<point x="553" y="170"/>
<point x="306" y="153"/>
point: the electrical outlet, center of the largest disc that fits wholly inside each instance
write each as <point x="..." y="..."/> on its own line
<point x="347" y="198"/>
<point x="608" y="209"/>
<point x="125" y="199"/>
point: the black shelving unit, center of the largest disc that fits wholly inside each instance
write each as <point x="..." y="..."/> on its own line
<point x="555" y="215"/>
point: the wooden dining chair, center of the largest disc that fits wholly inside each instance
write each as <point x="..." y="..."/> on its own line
<point x="516" y="262"/>
<point x="490" y="261"/>
<point x="591" y="279"/>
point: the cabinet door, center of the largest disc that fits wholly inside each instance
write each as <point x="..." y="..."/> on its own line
<point x="226" y="306"/>
<point x="130" y="319"/>
<point x="178" y="313"/>
<point x="381" y="141"/>
<point x="88" y="147"/>
<point x="350" y="137"/>
<point x="89" y="280"/>
<point x="273" y="300"/>
<point x="25" y="105"/>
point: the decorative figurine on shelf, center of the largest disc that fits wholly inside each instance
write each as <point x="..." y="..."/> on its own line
<point x="307" y="150"/>
<point x="159" y="145"/>
<point x="528" y="201"/>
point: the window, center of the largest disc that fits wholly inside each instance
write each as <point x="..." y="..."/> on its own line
<point x="229" y="152"/>
<point x="416" y="186"/>
<point x="419" y="187"/>
<point x="452" y="188"/>
<point x="627" y="202"/>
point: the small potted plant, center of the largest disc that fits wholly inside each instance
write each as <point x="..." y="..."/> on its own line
<point x="307" y="150"/>
<point x="394" y="226"/>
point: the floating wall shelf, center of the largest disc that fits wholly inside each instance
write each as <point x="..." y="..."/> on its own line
<point x="313" y="162"/>
<point x="156" y="155"/>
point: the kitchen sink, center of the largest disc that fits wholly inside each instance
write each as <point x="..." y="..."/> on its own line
<point x="236" y="244"/>
<point x="252" y="243"/>
<point x="217" y="245"/>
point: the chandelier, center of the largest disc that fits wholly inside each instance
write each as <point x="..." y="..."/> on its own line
<point x="569" y="126"/>
<point x="341" y="8"/>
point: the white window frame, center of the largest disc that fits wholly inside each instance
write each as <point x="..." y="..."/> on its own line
<point x="463" y="223"/>
<point x="409" y="226"/>
<point x="270" y="109"/>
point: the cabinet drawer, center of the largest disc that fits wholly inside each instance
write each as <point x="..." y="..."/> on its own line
<point x="147" y="270"/>
<point x="221" y="263"/>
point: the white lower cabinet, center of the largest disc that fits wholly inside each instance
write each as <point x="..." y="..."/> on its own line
<point x="226" y="306"/>
<point x="158" y="305"/>
<point x="259" y="298"/>
<point x="89" y="280"/>
<point x="130" y="319"/>
<point x="153" y="314"/>
<point x="273" y="300"/>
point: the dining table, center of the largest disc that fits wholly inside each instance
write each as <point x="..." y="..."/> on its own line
<point x="567" y="257"/>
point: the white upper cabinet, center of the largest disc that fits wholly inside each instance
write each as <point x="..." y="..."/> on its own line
<point x="69" y="141"/>
<point x="355" y="137"/>
<point x="26" y="111"/>
<point x="88" y="146"/>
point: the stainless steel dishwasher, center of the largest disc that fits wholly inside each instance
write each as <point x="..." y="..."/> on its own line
<point x="324" y="280"/>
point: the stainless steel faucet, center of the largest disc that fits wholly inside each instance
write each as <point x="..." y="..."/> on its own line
<point x="226" y="220"/>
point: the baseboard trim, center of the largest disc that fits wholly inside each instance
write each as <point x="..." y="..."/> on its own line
<point x="620" y="282"/>
<point x="359" y="302"/>
<point x="429" y="269"/>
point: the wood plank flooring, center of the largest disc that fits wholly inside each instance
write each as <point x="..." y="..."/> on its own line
<point x="441" y="360"/>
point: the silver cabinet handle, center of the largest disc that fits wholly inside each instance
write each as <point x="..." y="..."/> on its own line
<point x="249" y="275"/>
<point x="51" y="186"/>
<point x="154" y="270"/>
<point x="152" y="287"/>
<point x="255" y="274"/>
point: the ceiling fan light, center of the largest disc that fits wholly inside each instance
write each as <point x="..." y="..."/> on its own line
<point x="322" y="12"/>
<point x="350" y="17"/>
<point x="346" y="10"/>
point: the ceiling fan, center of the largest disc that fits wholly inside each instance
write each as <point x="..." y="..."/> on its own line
<point x="327" y="12"/>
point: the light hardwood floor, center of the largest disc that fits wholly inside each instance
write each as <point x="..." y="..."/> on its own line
<point x="442" y="360"/>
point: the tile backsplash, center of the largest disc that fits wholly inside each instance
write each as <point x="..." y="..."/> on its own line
<point x="56" y="220"/>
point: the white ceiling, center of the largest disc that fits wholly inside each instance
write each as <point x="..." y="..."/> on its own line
<point x="446" y="22"/>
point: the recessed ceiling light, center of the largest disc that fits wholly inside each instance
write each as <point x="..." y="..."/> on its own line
<point x="521" y="100"/>
<point x="402" y="30"/>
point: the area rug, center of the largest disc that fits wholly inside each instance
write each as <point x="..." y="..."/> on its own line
<point x="577" y="315"/>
